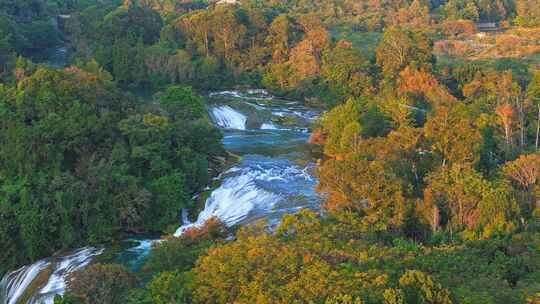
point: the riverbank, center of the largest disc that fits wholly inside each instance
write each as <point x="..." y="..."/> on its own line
<point x="266" y="173"/>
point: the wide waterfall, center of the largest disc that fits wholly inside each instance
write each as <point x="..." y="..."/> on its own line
<point x="227" y="118"/>
<point x="259" y="187"/>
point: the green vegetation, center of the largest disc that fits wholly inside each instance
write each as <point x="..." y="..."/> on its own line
<point x="429" y="149"/>
<point x="83" y="163"/>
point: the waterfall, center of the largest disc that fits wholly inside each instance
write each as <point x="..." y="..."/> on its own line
<point x="228" y="118"/>
<point x="258" y="187"/>
<point x="66" y="265"/>
<point x="16" y="283"/>
<point x="232" y="202"/>
<point x="269" y="126"/>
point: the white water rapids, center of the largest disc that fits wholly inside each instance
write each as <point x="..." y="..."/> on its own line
<point x="259" y="187"/>
<point x="14" y="285"/>
<point x="269" y="182"/>
<point x="227" y="118"/>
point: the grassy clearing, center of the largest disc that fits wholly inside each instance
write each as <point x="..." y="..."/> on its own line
<point x="365" y="41"/>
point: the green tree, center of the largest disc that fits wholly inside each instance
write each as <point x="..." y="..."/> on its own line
<point x="400" y="48"/>
<point x="170" y="288"/>
<point x="452" y="135"/>
<point x="421" y="288"/>
<point x="182" y="103"/>
<point x="347" y="71"/>
<point x="334" y="123"/>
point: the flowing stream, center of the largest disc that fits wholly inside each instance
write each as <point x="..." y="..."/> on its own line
<point x="273" y="178"/>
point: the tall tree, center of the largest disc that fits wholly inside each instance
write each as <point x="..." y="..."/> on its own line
<point x="400" y="48"/>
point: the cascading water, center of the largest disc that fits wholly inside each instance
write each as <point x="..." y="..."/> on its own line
<point x="269" y="126"/>
<point x="227" y="118"/>
<point x="261" y="186"/>
<point x="15" y="284"/>
<point x="57" y="281"/>
<point x="272" y="179"/>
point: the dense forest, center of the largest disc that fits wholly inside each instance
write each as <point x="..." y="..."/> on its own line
<point x="429" y="160"/>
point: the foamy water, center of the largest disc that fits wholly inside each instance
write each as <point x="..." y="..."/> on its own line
<point x="15" y="284"/>
<point x="256" y="188"/>
<point x="259" y="187"/>
<point x="228" y="118"/>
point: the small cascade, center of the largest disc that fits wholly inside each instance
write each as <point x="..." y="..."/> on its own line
<point x="254" y="94"/>
<point x="228" y="118"/>
<point x="269" y="126"/>
<point x="62" y="269"/>
<point x="232" y="202"/>
<point x="15" y="284"/>
<point x="185" y="217"/>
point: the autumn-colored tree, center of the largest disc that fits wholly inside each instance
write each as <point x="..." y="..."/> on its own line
<point x="525" y="172"/>
<point x="303" y="62"/>
<point x="344" y="299"/>
<point x="281" y="36"/>
<point x="306" y="56"/>
<point x="534" y="299"/>
<point x="423" y="84"/>
<point x="316" y="33"/>
<point x="498" y="96"/>
<point x="368" y="188"/>
<point x="453" y="137"/>
<point x="101" y="284"/>
<point x="528" y="12"/>
<point x="415" y="16"/>
<point x="460" y="198"/>
<point x="228" y="33"/>
<point x="507" y="114"/>
<point x="285" y="266"/>
<point x="400" y="48"/>
<point x="419" y="287"/>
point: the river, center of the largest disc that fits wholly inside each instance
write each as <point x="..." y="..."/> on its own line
<point x="274" y="177"/>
